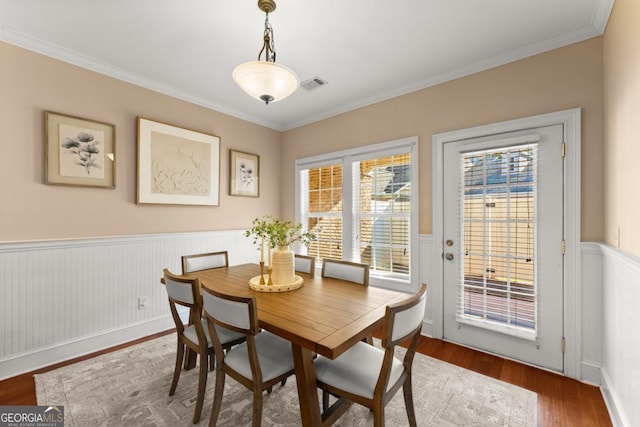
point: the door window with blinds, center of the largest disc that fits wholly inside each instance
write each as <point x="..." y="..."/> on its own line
<point x="498" y="283"/>
<point x="362" y="208"/>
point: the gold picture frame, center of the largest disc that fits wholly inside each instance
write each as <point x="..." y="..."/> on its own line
<point x="177" y="166"/>
<point x="78" y="151"/>
<point x="244" y="174"/>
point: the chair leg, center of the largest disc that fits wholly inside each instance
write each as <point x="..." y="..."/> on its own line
<point x="257" y="408"/>
<point x="325" y="401"/>
<point x="177" y="369"/>
<point x="408" y="401"/>
<point x="378" y="417"/>
<point x="202" y="387"/>
<point x="190" y="359"/>
<point x="212" y="361"/>
<point x="217" y="396"/>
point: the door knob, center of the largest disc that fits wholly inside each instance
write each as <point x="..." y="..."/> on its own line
<point x="448" y="256"/>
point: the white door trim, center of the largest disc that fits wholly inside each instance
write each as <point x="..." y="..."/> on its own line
<point x="572" y="289"/>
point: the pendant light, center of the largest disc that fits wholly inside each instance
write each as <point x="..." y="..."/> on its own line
<point x="264" y="79"/>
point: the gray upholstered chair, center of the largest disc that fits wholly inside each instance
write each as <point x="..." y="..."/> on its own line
<point x="259" y="363"/>
<point x="370" y="376"/>
<point x="350" y="271"/>
<point x="206" y="261"/>
<point x="305" y="264"/>
<point x="185" y="292"/>
<point x="346" y="270"/>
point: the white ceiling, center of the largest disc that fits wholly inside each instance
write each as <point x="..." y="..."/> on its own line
<point x="368" y="50"/>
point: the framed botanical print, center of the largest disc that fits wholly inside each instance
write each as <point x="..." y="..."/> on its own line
<point x="78" y="151"/>
<point x="244" y="174"/>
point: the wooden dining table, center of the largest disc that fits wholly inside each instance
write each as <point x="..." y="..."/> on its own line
<point x="325" y="316"/>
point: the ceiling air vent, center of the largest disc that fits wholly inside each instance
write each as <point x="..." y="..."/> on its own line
<point x="313" y="83"/>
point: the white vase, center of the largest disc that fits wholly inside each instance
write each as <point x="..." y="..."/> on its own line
<point x="283" y="266"/>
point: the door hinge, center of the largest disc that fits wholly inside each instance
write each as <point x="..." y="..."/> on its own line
<point x="563" y="247"/>
<point x="564" y="344"/>
<point x="564" y="150"/>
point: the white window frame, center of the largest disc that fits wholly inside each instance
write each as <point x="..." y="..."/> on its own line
<point x="346" y="158"/>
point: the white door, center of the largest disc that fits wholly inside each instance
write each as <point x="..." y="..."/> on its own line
<point x="503" y="245"/>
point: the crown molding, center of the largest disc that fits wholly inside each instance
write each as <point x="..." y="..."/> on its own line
<point x="599" y="19"/>
<point x="57" y="52"/>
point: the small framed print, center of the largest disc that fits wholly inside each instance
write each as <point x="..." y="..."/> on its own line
<point x="177" y="166"/>
<point x="78" y="151"/>
<point x="244" y="174"/>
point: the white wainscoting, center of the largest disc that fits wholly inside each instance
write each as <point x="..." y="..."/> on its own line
<point x="62" y="299"/>
<point x="591" y="313"/>
<point x="621" y="340"/>
<point x="425" y="273"/>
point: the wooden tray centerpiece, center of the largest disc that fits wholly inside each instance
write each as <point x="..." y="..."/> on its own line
<point x="254" y="284"/>
<point x="277" y="235"/>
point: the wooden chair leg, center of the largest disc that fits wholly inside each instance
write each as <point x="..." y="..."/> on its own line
<point x="217" y="397"/>
<point x="408" y="401"/>
<point x="190" y="359"/>
<point x="257" y="407"/>
<point x="378" y="417"/>
<point x="202" y="387"/>
<point x="177" y="369"/>
<point x="325" y="401"/>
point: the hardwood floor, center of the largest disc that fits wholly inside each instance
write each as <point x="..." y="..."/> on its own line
<point x="561" y="401"/>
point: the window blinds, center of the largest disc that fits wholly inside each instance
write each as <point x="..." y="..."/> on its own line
<point x="381" y="213"/>
<point x="498" y="203"/>
<point x="375" y="228"/>
<point x="322" y="209"/>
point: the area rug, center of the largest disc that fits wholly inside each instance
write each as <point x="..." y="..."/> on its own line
<point x="130" y="387"/>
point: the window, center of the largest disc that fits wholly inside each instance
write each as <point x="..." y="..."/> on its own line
<point x="323" y="209"/>
<point x="362" y="206"/>
<point x="499" y="208"/>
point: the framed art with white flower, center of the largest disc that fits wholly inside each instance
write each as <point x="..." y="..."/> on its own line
<point x="78" y="151"/>
<point x="177" y="166"/>
<point x="244" y="174"/>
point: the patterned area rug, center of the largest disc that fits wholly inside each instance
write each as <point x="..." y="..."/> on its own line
<point x="130" y="387"/>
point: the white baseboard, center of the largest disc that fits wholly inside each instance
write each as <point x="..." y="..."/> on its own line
<point x="61" y="351"/>
<point x="614" y="406"/>
<point x="427" y="328"/>
<point x="590" y="372"/>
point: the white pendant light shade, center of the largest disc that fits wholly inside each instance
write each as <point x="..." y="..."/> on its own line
<point x="266" y="81"/>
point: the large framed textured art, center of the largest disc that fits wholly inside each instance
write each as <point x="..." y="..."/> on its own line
<point x="244" y="174"/>
<point x="177" y="166"/>
<point x="79" y="151"/>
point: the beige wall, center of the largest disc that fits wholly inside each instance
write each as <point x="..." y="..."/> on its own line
<point x="31" y="83"/>
<point x="557" y="80"/>
<point x="622" y="128"/>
